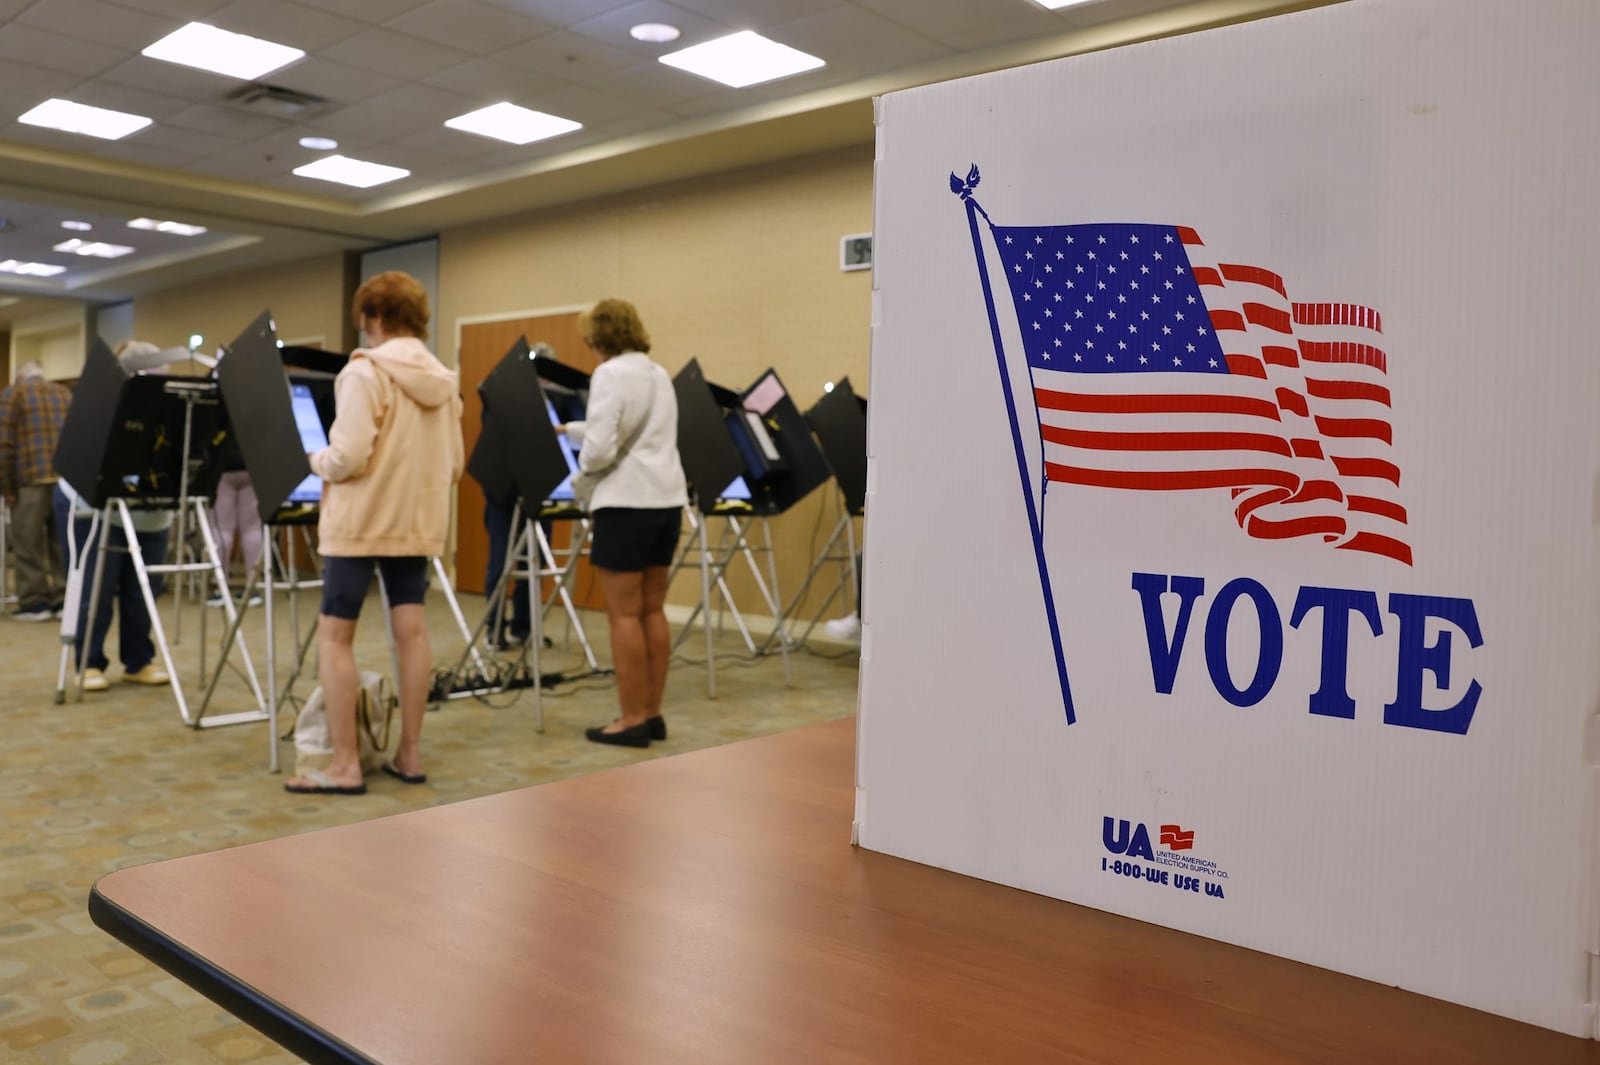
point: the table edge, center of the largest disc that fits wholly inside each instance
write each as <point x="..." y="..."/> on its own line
<point x="273" y="1020"/>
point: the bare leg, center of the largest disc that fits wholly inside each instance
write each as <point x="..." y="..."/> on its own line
<point x="416" y="665"/>
<point x="336" y="657"/>
<point x="657" y="637"/>
<point x="624" y="594"/>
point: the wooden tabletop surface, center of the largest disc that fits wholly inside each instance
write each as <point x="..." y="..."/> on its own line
<point x="709" y="908"/>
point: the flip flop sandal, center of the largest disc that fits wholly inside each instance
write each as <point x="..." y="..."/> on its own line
<point x="322" y="784"/>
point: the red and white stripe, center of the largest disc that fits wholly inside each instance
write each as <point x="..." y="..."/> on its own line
<point x="1298" y="430"/>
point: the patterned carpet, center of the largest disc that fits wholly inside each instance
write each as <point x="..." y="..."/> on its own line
<point x="118" y="780"/>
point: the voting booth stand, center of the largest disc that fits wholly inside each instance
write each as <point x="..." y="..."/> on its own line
<point x="140" y="442"/>
<point x="1261" y="362"/>
<point x="519" y="456"/>
<point x="748" y="456"/>
<point x="839" y="421"/>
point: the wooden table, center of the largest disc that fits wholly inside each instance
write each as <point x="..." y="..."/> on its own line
<point x="708" y="908"/>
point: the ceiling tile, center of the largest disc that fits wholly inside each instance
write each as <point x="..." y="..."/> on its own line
<point x="858" y="42"/>
<point x="186" y="142"/>
<point x="182" y="10"/>
<point x="613" y="26"/>
<point x="559" y="12"/>
<point x="395" y="115"/>
<point x="284" y="22"/>
<point x="244" y="165"/>
<point x="338" y="82"/>
<point x="639" y="120"/>
<point x="371" y="11"/>
<point x="24" y="86"/>
<point x="480" y="29"/>
<point x="420" y="161"/>
<point x="41" y="48"/>
<point x="388" y="52"/>
<point x="122" y="98"/>
<point x="225" y="121"/>
<point x="759" y="14"/>
<point x="132" y="150"/>
<point x="583" y="104"/>
<point x="710" y="103"/>
<point x="568" y="56"/>
<point x="170" y="79"/>
<point x="453" y="143"/>
<point x="491" y="80"/>
<point x="943" y="19"/>
<point x="285" y="143"/>
<point x="90" y="20"/>
<point x="1026" y="27"/>
<point x="652" y="84"/>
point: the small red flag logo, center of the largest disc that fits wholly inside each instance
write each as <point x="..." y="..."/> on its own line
<point x="1173" y="837"/>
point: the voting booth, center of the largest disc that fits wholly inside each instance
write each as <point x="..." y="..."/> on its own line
<point x="1252" y="370"/>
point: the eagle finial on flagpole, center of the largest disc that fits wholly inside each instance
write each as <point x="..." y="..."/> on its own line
<point x="963" y="188"/>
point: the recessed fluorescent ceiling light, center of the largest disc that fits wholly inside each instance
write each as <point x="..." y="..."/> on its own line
<point x="1053" y="4"/>
<point x="27" y="269"/>
<point x="74" y="224"/>
<point x="231" y="54"/>
<point x="347" y="171"/>
<point x="319" y="144"/>
<point x="508" y="122"/>
<point x="94" y="248"/>
<point x="740" y="59"/>
<point x="182" y="229"/>
<point x="81" y="118"/>
<point x="654" y="32"/>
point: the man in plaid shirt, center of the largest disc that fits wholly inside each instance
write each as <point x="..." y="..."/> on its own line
<point x="31" y="412"/>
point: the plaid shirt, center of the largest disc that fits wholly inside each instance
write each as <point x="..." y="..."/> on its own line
<point x="31" y="413"/>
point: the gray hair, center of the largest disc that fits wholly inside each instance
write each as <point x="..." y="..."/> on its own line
<point x="30" y="371"/>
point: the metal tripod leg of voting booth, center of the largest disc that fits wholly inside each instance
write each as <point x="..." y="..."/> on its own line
<point x="117" y="511"/>
<point x="733" y="541"/>
<point x="292" y="586"/>
<point x="848" y="581"/>
<point x="561" y="567"/>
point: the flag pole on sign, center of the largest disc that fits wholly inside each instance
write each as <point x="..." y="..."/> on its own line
<point x="963" y="188"/>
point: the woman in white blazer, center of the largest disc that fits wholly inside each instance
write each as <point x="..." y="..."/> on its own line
<point x="633" y="479"/>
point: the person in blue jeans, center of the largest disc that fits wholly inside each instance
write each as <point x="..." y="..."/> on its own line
<point x="119" y="591"/>
<point x="497" y="522"/>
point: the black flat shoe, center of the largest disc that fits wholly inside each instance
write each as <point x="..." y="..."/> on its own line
<point x="657" y="726"/>
<point x="637" y="736"/>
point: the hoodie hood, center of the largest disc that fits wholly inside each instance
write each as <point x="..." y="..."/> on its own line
<point x="414" y="369"/>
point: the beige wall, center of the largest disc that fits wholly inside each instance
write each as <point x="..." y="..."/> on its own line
<point x="306" y="299"/>
<point x="739" y="270"/>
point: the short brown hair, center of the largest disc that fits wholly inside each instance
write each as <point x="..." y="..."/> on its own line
<point x="612" y="327"/>
<point x="397" y="300"/>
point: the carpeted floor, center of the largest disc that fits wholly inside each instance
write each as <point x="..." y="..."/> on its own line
<point x="118" y="780"/>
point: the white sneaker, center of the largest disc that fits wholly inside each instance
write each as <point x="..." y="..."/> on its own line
<point x="94" y="680"/>
<point x="846" y="629"/>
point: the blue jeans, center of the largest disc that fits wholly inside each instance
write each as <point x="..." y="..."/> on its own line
<point x="119" y="591"/>
<point x="497" y="521"/>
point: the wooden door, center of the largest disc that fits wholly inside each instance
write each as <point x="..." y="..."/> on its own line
<point x="483" y="345"/>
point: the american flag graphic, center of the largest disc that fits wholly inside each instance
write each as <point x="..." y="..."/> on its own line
<point x="1157" y="367"/>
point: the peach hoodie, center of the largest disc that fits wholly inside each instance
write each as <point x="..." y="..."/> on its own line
<point x="394" y="453"/>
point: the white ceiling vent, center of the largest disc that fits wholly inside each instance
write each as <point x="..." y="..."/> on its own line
<point x="274" y="101"/>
